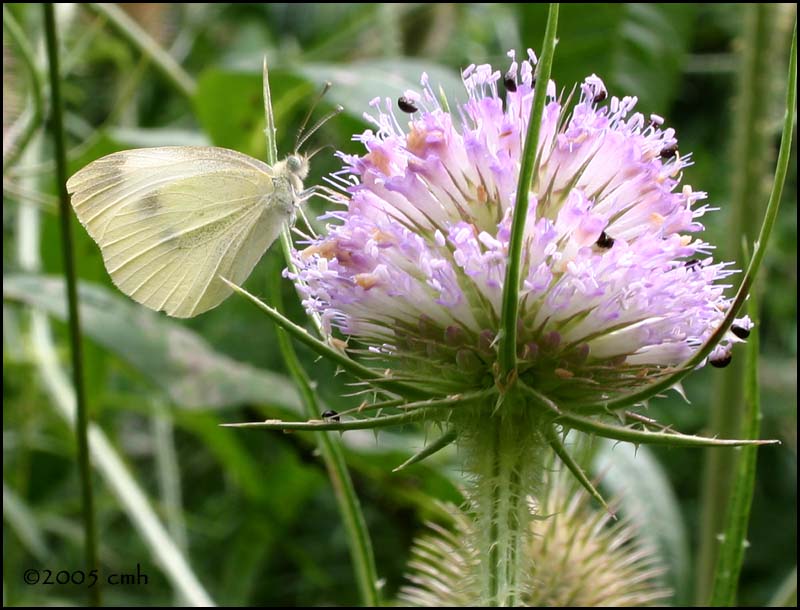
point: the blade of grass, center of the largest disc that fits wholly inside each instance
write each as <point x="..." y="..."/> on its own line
<point x="76" y="349"/>
<point x="507" y="346"/>
<point x="108" y="463"/>
<point x="36" y="110"/>
<point x="23" y="522"/>
<point x="168" y="473"/>
<point x="115" y="473"/>
<point x="136" y="36"/>
<point x="786" y="595"/>
<point x="734" y="538"/>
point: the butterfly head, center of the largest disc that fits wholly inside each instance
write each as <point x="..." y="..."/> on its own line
<point x="297" y="165"/>
<point x="293" y="168"/>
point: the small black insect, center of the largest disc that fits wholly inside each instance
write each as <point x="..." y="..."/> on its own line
<point x="668" y="151"/>
<point x="605" y="241"/>
<point x="740" y="331"/>
<point x="406" y="105"/>
<point x="510" y="82"/>
<point x="722" y="362"/>
<point x="330" y="414"/>
<point x="600" y="96"/>
<point x="692" y="263"/>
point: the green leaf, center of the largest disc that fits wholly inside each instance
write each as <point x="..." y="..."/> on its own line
<point x="174" y="358"/>
<point x="651" y="36"/>
<point x="636" y="477"/>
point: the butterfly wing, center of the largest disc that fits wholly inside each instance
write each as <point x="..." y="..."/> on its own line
<point x="170" y="220"/>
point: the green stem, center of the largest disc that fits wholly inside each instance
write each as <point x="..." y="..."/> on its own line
<point x="507" y="348"/>
<point x="505" y="457"/>
<point x="751" y="154"/>
<point x="734" y="540"/>
<point x="333" y="455"/>
<point x="330" y="446"/>
<point x="76" y="351"/>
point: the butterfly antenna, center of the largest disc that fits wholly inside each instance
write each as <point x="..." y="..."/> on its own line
<point x="311" y="109"/>
<point x="317" y="125"/>
<point x="319" y="149"/>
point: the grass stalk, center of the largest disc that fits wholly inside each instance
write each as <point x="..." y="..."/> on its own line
<point x="68" y="257"/>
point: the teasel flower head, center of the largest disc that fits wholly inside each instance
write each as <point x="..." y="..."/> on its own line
<point x="617" y="298"/>
<point x="578" y="556"/>
<point x="616" y="286"/>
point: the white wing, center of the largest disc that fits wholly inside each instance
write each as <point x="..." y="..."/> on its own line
<point x="170" y="220"/>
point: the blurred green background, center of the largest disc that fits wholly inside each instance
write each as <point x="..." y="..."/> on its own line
<point x="252" y="512"/>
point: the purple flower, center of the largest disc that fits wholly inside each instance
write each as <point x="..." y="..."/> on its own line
<point x="617" y="284"/>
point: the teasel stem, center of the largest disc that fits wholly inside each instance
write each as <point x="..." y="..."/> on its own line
<point x="505" y="457"/>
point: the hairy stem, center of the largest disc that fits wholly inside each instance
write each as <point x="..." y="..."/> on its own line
<point x="505" y="459"/>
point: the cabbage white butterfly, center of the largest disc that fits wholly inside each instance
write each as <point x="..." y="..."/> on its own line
<point x="170" y="220"/>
